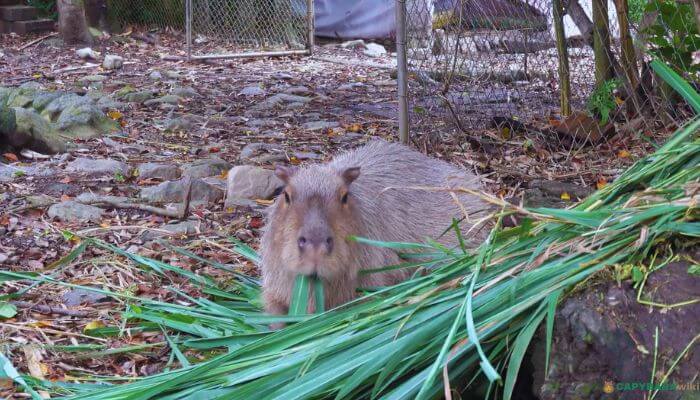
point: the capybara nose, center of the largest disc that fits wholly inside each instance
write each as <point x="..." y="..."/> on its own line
<point x="315" y="241"/>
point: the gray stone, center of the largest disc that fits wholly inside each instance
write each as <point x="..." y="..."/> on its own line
<point x="112" y="61"/>
<point x="41" y="100"/>
<point x="107" y="103"/>
<point x="253" y="90"/>
<point x="178" y="229"/>
<point x="89" y="198"/>
<point x="183" y="123"/>
<point x="76" y="297"/>
<point x="252" y="152"/>
<point x="207" y="167"/>
<point x="306" y="155"/>
<point x="92" y="166"/>
<point x="173" y="74"/>
<point x="174" y="192"/>
<point x="23" y="95"/>
<point x="374" y="50"/>
<point x="298" y="90"/>
<point x="246" y="182"/>
<point x="353" y="44"/>
<point x="350" y="86"/>
<point x="278" y="99"/>
<point x="54" y="109"/>
<point x="155" y="76"/>
<point x="139" y="97"/>
<point x="71" y="211"/>
<point x="185" y="92"/>
<point x="282" y="76"/>
<point x="318" y="125"/>
<point x="165" y="172"/>
<point x="86" y="53"/>
<point x="167" y="99"/>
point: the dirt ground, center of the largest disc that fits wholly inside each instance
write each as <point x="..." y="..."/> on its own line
<point x="354" y="97"/>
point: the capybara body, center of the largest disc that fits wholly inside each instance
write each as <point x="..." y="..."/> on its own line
<point x="372" y="192"/>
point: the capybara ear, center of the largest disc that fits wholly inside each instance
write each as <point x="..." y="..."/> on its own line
<point x="350" y="174"/>
<point x="284" y="172"/>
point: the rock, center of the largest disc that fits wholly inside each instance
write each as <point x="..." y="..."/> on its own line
<point x="155" y="76"/>
<point x="92" y="166"/>
<point x="185" y="92"/>
<point x="353" y="44"/>
<point x="106" y="103"/>
<point x="182" y="123"/>
<point x="20" y="127"/>
<point x="305" y="155"/>
<point x="178" y="229"/>
<point x="4" y="257"/>
<point x="350" y="86"/>
<point x="246" y="183"/>
<point x="23" y="95"/>
<point x="55" y="107"/>
<point x="253" y="90"/>
<point x="277" y="99"/>
<point x="208" y="167"/>
<point x="85" y="121"/>
<point x="174" y="192"/>
<point x="86" y="81"/>
<point x="173" y="74"/>
<point x="71" y="211"/>
<point x="87" y="53"/>
<point x="89" y="198"/>
<point x="76" y="297"/>
<point x="374" y="50"/>
<point x="41" y="100"/>
<point x="282" y="76"/>
<point x="8" y="173"/>
<point x="112" y="62"/>
<point x="139" y="97"/>
<point x="167" y="99"/>
<point x="165" y="172"/>
<point x="318" y="125"/>
<point x="257" y="152"/>
<point x="298" y="90"/>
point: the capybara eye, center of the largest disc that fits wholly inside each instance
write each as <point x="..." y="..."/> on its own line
<point x="286" y="197"/>
<point x="344" y="199"/>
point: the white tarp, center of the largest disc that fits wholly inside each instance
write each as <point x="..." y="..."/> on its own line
<point x="363" y="19"/>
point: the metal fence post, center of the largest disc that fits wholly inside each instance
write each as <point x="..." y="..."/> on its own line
<point x="310" y="23"/>
<point x="401" y="70"/>
<point x="188" y="27"/>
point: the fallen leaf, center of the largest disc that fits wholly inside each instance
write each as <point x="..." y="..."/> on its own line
<point x="114" y="114"/>
<point x="33" y="359"/>
<point x="565" y="196"/>
<point x="294" y="161"/>
<point x="619" y="101"/>
<point x="65" y="197"/>
<point x="601" y="183"/>
<point x="67" y="179"/>
<point x="11" y="156"/>
<point x="256" y="223"/>
<point x="623" y="154"/>
<point x="355" y="127"/>
<point x="93" y="325"/>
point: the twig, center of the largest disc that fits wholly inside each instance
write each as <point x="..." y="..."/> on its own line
<point x="35" y="41"/>
<point x="96" y="199"/>
<point x="50" y="310"/>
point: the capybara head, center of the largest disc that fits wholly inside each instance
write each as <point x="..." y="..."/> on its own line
<point x="313" y="217"/>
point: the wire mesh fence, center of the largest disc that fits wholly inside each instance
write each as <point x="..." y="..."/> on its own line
<point x="480" y="63"/>
<point x="225" y="28"/>
<point x="148" y="13"/>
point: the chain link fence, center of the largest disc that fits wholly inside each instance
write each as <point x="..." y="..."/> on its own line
<point x="477" y="64"/>
<point x="225" y="28"/>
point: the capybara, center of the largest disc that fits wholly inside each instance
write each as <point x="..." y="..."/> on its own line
<point x="377" y="191"/>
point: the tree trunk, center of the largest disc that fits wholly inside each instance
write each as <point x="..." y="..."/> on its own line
<point x="71" y="22"/>
<point x="628" y="56"/>
<point x="96" y="14"/>
<point x="562" y="51"/>
<point x="601" y="42"/>
<point x="578" y="15"/>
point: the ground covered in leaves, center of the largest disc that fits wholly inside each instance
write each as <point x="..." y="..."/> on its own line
<point x="206" y="118"/>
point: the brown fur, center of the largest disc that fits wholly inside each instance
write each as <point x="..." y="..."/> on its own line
<point x="380" y="205"/>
